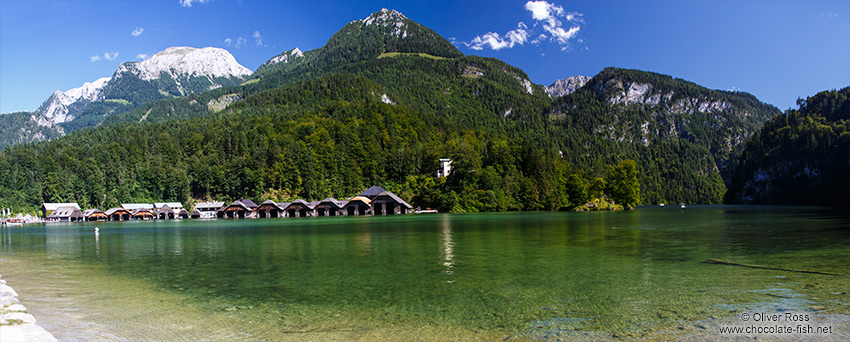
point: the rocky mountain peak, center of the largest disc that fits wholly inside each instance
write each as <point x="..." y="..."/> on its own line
<point x="284" y="57"/>
<point x="182" y="61"/>
<point x="56" y="107"/>
<point x="388" y="18"/>
<point x="566" y="86"/>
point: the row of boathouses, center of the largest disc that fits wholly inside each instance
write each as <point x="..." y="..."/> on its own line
<point x="372" y="201"/>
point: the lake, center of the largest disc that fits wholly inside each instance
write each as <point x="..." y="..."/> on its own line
<point x="520" y="276"/>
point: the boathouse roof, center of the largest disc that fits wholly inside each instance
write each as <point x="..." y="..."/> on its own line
<point x="372" y="192"/>
<point x="239" y="204"/>
<point x="90" y="212"/>
<point x="134" y="206"/>
<point x="209" y="205"/>
<point x="361" y="199"/>
<point x="54" y="206"/>
<point x="248" y="203"/>
<point x="113" y="210"/>
<point x="394" y="198"/>
<point x="332" y="201"/>
<point x="142" y="212"/>
<point x="172" y="205"/>
<point x="66" y="211"/>
<point x="271" y="203"/>
<point x="299" y="202"/>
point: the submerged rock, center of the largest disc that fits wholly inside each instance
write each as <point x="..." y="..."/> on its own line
<point x="15" y="323"/>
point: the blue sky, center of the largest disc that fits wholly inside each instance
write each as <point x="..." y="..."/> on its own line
<point x="776" y="50"/>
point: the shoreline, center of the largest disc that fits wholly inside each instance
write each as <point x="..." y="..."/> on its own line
<point x="15" y="323"/>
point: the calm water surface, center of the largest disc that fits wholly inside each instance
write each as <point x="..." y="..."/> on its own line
<point x="622" y="275"/>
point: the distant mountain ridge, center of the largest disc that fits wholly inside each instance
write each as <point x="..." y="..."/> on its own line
<point x="61" y="106"/>
<point x="175" y="71"/>
<point x="180" y="61"/>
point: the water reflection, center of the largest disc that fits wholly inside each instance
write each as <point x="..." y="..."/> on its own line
<point x="448" y="245"/>
<point x="363" y="240"/>
<point x="178" y="242"/>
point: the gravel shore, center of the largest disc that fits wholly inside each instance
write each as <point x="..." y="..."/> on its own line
<point x="15" y="323"/>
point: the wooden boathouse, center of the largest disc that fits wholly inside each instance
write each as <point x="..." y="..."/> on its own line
<point x="94" y="215"/>
<point x="164" y="212"/>
<point x="269" y="209"/>
<point x="208" y="209"/>
<point x="48" y="208"/>
<point x="358" y="206"/>
<point x="329" y="207"/>
<point x="387" y="203"/>
<point x="65" y="214"/>
<point x="142" y="214"/>
<point x="243" y="208"/>
<point x="118" y="214"/>
<point x="299" y="208"/>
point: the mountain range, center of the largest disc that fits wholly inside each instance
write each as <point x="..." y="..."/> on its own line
<point x="380" y="103"/>
<point x="176" y="71"/>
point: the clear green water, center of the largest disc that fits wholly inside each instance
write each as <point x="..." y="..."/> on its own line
<point x="532" y="276"/>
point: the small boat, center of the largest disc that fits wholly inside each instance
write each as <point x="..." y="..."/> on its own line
<point x="426" y="211"/>
<point x="661" y="205"/>
<point x="682" y="205"/>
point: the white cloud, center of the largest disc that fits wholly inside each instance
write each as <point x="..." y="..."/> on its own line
<point x="188" y="3"/>
<point x="496" y="42"/>
<point x="539" y="39"/>
<point x="829" y="15"/>
<point x="142" y="56"/>
<point x="542" y="10"/>
<point x="240" y="41"/>
<point x="94" y="58"/>
<point x="563" y="36"/>
<point x="137" y="31"/>
<point x="110" y="56"/>
<point x="547" y="15"/>
<point x="257" y="38"/>
<point x="227" y="41"/>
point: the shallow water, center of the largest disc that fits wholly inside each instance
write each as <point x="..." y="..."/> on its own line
<point x="621" y="275"/>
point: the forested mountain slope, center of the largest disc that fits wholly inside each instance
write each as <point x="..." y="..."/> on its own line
<point x="800" y="157"/>
<point x="685" y="138"/>
<point x="332" y="136"/>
